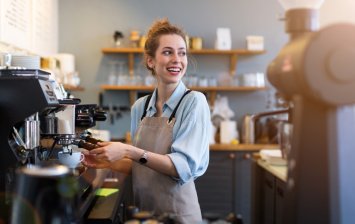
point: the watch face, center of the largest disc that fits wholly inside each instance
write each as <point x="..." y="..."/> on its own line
<point x="142" y="160"/>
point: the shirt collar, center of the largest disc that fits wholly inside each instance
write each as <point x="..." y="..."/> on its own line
<point x="173" y="99"/>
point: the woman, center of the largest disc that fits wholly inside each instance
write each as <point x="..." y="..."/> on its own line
<point x="171" y="129"/>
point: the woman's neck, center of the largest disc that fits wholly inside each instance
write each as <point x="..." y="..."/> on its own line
<point x="164" y="92"/>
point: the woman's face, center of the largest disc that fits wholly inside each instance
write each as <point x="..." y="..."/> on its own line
<point x="170" y="60"/>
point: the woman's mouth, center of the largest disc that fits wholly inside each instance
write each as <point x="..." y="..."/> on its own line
<point x="174" y="70"/>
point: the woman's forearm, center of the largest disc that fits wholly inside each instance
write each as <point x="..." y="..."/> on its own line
<point x="157" y="162"/>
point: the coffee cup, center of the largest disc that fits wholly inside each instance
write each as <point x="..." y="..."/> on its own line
<point x="70" y="160"/>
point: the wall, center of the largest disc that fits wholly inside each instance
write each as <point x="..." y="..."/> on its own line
<point x="29" y="27"/>
<point x="86" y="26"/>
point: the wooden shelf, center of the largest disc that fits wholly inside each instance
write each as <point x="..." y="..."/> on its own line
<point x="212" y="90"/>
<point x="117" y="50"/>
<point x="73" y="88"/>
<point x="125" y="88"/>
<point x="202" y="51"/>
<point x="243" y="147"/>
<point x="233" y="54"/>
<point x="197" y="88"/>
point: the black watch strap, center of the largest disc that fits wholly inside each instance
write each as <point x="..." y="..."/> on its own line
<point x="144" y="158"/>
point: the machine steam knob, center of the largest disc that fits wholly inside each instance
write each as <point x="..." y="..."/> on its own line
<point x="100" y="115"/>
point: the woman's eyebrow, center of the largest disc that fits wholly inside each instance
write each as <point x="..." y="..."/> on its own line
<point x="171" y="48"/>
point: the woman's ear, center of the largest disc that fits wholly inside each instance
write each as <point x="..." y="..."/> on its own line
<point x="150" y="62"/>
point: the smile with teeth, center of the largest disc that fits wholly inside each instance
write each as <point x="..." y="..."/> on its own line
<point x="174" y="69"/>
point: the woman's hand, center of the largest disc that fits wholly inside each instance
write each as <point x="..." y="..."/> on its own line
<point x="105" y="156"/>
<point x="91" y="161"/>
<point x="109" y="151"/>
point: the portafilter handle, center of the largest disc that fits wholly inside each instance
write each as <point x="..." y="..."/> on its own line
<point x="87" y="145"/>
<point x="92" y="140"/>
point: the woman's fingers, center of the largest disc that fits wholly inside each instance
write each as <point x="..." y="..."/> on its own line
<point x="88" y="164"/>
<point x="85" y="152"/>
<point x="103" y="143"/>
<point x="97" y="151"/>
<point x="101" y="156"/>
<point x="93" y="162"/>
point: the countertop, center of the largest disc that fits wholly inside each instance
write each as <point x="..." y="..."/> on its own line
<point x="280" y="171"/>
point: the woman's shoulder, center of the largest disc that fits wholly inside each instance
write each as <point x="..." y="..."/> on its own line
<point x="196" y="101"/>
<point x="197" y="97"/>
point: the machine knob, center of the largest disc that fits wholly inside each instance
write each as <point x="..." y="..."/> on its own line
<point x="84" y="119"/>
<point x="100" y="115"/>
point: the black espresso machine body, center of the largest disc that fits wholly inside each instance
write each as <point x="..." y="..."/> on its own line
<point x="25" y="94"/>
<point x="22" y="94"/>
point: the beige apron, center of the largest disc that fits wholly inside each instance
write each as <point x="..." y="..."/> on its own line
<point x="157" y="192"/>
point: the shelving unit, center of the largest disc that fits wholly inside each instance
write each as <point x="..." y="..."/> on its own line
<point x="233" y="55"/>
<point x="212" y="90"/>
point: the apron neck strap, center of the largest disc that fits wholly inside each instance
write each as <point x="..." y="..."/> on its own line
<point x="146" y="106"/>
<point x="174" y="112"/>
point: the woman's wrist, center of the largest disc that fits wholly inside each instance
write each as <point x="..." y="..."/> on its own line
<point x="133" y="153"/>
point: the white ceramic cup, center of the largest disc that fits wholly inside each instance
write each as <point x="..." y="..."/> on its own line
<point x="70" y="160"/>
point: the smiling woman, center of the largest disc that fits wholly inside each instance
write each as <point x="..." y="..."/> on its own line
<point x="171" y="130"/>
<point x="170" y="61"/>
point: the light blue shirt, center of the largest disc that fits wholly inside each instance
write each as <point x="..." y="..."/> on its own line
<point x="191" y="132"/>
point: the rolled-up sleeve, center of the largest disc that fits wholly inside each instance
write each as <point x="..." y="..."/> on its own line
<point x="192" y="130"/>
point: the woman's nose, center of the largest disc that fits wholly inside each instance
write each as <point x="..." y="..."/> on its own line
<point x="176" y="57"/>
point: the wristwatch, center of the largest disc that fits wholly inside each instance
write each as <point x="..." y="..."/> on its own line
<point x="144" y="158"/>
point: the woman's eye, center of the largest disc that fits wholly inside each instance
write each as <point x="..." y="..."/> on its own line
<point x="166" y="52"/>
<point x="182" y="53"/>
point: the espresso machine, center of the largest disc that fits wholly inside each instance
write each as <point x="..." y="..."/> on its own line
<point x="36" y="121"/>
<point x="314" y="71"/>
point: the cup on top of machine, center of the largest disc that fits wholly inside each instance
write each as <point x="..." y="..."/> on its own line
<point x="70" y="160"/>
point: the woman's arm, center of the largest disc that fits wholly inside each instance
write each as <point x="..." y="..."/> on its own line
<point x="122" y="165"/>
<point x="118" y="154"/>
